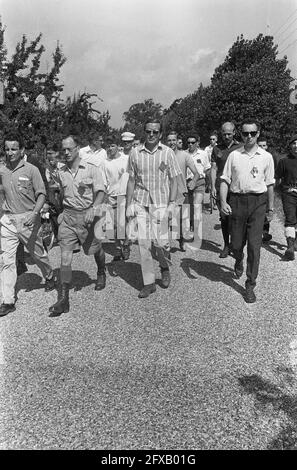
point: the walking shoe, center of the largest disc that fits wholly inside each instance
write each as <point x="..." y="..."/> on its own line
<point x="118" y="254"/>
<point x="6" y="308"/>
<point x="101" y="281"/>
<point x="250" y="297"/>
<point x="238" y="268"/>
<point x="165" y="277"/>
<point x="147" y="290"/>
<point x="50" y="284"/>
<point x="62" y="305"/>
<point x="289" y="253"/>
<point x="225" y="252"/>
<point x="125" y="252"/>
<point x="266" y="237"/>
<point x="182" y="246"/>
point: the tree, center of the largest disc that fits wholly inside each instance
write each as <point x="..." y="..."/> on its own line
<point x="188" y="114"/>
<point x="139" y="113"/>
<point x="33" y="103"/>
<point x="253" y="82"/>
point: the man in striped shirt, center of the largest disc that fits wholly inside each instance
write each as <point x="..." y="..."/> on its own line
<point x="151" y="195"/>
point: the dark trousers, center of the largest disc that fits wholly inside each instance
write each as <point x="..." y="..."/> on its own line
<point x="289" y="201"/>
<point x="248" y="214"/>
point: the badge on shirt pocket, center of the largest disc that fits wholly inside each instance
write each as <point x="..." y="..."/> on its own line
<point x="163" y="167"/>
<point x="84" y="185"/>
<point x="23" y="183"/>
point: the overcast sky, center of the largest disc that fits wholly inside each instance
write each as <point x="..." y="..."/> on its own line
<point x="130" y="50"/>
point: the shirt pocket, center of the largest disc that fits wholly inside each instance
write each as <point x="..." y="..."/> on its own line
<point x="24" y="185"/>
<point x="85" y="186"/>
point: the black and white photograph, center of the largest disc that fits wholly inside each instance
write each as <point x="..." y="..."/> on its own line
<point x="148" y="217"/>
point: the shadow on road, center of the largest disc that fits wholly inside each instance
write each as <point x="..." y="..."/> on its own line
<point x="212" y="271"/>
<point x="209" y="245"/>
<point x="267" y="393"/>
<point x="270" y="247"/>
<point x="128" y="271"/>
<point x="31" y="281"/>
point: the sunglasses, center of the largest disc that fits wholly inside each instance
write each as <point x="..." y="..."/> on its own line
<point x="152" y="132"/>
<point x="192" y="142"/>
<point x="252" y="133"/>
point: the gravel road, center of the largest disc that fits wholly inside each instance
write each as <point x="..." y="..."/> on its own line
<point x="190" y="367"/>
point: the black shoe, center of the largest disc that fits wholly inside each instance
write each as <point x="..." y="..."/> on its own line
<point x="289" y="253"/>
<point x="118" y="255"/>
<point x="62" y="305"/>
<point x="21" y="268"/>
<point x="101" y="281"/>
<point x="238" y="268"/>
<point x="266" y="237"/>
<point x="182" y="246"/>
<point x="165" y="277"/>
<point x="147" y="290"/>
<point x="50" y="284"/>
<point x="250" y="297"/>
<point x="125" y="252"/>
<point x="6" y="308"/>
<point x="225" y="252"/>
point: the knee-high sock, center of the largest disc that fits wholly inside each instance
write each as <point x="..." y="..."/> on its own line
<point x="66" y="274"/>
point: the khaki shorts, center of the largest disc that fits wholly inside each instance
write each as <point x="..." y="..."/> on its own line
<point x="74" y="232"/>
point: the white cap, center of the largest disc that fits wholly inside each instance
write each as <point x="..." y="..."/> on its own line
<point x="126" y="136"/>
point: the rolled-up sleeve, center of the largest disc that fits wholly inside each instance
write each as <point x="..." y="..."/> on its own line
<point x="37" y="182"/>
<point x="227" y="173"/>
<point x="269" y="171"/>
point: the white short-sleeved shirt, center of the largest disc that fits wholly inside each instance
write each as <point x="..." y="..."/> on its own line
<point x="247" y="173"/>
<point x="115" y="175"/>
<point x="96" y="158"/>
<point x="201" y="161"/>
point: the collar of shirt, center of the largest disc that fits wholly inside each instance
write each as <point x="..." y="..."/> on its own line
<point x="81" y="164"/>
<point x="19" y="165"/>
<point x="143" y="148"/>
<point x="258" y="151"/>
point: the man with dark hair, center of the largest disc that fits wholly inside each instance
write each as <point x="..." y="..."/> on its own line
<point x="151" y="196"/>
<point x="266" y="236"/>
<point x="185" y="161"/>
<point x="196" y="195"/>
<point x="219" y="156"/>
<point x="94" y="153"/>
<point x="179" y="143"/>
<point x="83" y="195"/>
<point x="24" y="196"/>
<point x="249" y="175"/>
<point x="286" y="175"/>
<point x="115" y="177"/>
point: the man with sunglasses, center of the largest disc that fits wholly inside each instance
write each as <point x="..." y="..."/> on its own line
<point x="151" y="196"/>
<point x="83" y="194"/>
<point x="202" y="164"/>
<point x="249" y="175"/>
<point x="219" y="156"/>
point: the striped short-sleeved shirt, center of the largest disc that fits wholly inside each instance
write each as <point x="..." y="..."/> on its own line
<point x="152" y="172"/>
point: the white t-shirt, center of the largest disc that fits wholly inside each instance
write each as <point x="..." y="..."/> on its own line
<point x="201" y="162"/>
<point x="115" y="175"/>
<point x="96" y="158"/>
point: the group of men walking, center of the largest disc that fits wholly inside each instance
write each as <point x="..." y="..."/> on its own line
<point x="151" y="184"/>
